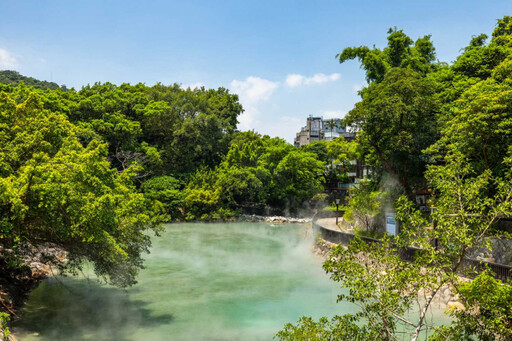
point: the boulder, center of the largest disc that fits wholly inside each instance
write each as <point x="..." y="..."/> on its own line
<point x="454" y="305"/>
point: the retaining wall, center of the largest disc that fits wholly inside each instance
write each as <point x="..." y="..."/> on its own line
<point x="471" y="266"/>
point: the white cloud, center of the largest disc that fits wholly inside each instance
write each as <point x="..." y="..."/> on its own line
<point x="7" y="60"/>
<point x="261" y="102"/>
<point x="253" y="89"/>
<point x="322" y="78"/>
<point x="294" y="79"/>
<point x="283" y="126"/>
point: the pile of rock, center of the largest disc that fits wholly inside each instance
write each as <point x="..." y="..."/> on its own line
<point x="41" y="259"/>
<point x="323" y="248"/>
<point x="273" y="219"/>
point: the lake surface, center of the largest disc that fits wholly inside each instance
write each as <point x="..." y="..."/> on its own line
<point x="232" y="281"/>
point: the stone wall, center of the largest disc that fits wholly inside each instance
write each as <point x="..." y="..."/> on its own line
<point x="500" y="251"/>
<point x="445" y="298"/>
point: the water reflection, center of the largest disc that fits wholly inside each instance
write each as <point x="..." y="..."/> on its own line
<point x="72" y="309"/>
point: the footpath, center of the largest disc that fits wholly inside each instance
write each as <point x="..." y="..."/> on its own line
<point x="328" y="223"/>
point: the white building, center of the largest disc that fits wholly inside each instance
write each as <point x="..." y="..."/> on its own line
<point x="317" y="128"/>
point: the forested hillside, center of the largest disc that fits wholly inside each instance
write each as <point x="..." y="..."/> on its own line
<point x="14" y="78"/>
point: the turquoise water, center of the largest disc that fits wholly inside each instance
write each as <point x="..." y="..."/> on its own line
<point x="233" y="281"/>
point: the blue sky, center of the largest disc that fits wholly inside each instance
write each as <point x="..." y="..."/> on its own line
<point x="278" y="55"/>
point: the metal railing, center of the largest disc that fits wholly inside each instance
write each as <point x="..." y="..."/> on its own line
<point x="472" y="267"/>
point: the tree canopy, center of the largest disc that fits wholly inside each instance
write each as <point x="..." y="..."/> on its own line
<point x="258" y="171"/>
<point x="445" y="128"/>
<point x="401" y="52"/>
<point x="54" y="189"/>
<point x="74" y="165"/>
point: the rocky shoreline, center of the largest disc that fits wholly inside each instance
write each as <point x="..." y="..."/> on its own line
<point x="16" y="282"/>
<point x="273" y="219"/>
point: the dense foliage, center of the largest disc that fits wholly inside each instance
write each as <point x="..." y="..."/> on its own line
<point x="72" y="164"/>
<point x="364" y="205"/>
<point x="488" y="315"/>
<point x="338" y="156"/>
<point x="397" y="118"/>
<point x="426" y="124"/>
<point x="256" y="171"/>
<point x="54" y="189"/>
<point x="92" y="170"/>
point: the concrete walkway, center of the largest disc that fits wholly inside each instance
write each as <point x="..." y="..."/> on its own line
<point x="329" y="223"/>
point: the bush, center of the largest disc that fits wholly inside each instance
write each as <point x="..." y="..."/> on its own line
<point x="165" y="189"/>
<point x="364" y="205"/>
<point x="4" y="329"/>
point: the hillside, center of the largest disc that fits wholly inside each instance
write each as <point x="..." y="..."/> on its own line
<point x="14" y="78"/>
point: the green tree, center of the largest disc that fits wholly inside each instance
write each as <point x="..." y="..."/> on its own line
<point x="399" y="53"/>
<point x="319" y="148"/>
<point x="54" y="189"/>
<point x="186" y="128"/>
<point x="481" y="124"/>
<point x="256" y="171"/>
<point x="476" y="63"/>
<point x="4" y="328"/>
<point x="386" y="288"/>
<point x="397" y="118"/>
<point x="331" y="125"/>
<point x="488" y="313"/>
<point x="202" y="200"/>
<point x="14" y="78"/>
<point x="364" y="205"/>
<point x="167" y="190"/>
<point x="297" y="178"/>
<point x="337" y="155"/>
<point x="199" y="141"/>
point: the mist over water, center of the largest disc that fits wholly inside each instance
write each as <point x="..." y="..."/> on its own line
<point x="232" y="281"/>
